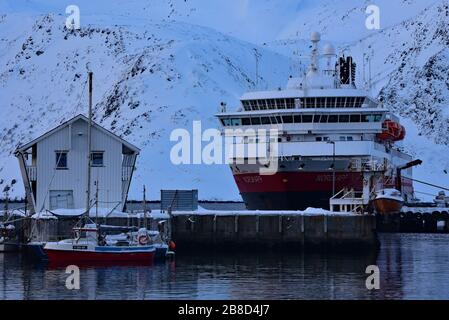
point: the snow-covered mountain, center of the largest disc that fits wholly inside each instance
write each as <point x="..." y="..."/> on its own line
<point x="159" y="65"/>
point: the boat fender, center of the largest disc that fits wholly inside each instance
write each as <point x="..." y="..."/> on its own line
<point x="172" y="245"/>
<point x="143" y="240"/>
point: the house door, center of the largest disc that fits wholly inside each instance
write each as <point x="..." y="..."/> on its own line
<point x="61" y="199"/>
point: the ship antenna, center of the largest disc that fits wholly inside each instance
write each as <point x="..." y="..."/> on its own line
<point x="315" y="37"/>
<point x="370" y="84"/>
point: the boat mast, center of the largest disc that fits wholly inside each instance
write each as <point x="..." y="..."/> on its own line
<point x="89" y="147"/>
<point x="145" y="208"/>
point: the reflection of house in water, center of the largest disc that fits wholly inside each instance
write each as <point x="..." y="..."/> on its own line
<point x="54" y="167"/>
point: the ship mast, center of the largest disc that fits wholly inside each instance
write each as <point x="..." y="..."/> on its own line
<point x="89" y="146"/>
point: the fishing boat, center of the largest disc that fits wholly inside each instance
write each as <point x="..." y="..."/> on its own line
<point x="89" y="245"/>
<point x="388" y="201"/>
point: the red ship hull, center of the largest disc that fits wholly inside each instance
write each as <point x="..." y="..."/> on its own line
<point x="296" y="190"/>
<point x="63" y="256"/>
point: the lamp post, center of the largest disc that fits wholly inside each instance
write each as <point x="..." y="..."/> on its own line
<point x="333" y="167"/>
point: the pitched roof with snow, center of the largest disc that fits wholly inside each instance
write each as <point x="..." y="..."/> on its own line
<point x="70" y="121"/>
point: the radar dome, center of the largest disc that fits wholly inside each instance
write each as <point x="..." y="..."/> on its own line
<point x="315" y="36"/>
<point x="329" y="50"/>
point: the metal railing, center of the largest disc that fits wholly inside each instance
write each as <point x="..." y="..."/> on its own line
<point x="348" y="201"/>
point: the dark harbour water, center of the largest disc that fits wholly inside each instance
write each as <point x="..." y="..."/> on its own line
<point x="411" y="266"/>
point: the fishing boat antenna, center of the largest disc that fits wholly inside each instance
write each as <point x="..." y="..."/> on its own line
<point x="96" y="202"/>
<point x="89" y="147"/>
<point x="145" y="220"/>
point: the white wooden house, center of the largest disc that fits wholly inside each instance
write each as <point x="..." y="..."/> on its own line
<point x="54" y="167"/>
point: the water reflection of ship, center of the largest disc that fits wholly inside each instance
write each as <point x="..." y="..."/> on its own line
<point x="47" y="282"/>
<point x="390" y="262"/>
<point x="301" y="276"/>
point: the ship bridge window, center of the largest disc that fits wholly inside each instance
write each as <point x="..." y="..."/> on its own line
<point x="341" y="102"/>
<point x="280" y="104"/>
<point x="316" y="118"/>
<point x="290" y="103"/>
<point x="332" y="102"/>
<point x="307" y="118"/>
<point x="255" y="121"/>
<point x="246" y="122"/>
<point x="297" y="119"/>
<point x="359" y="102"/>
<point x="288" y="119"/>
<point x="324" y="118"/>
<point x="333" y="118"/>
<point x="343" y="118"/>
<point x="309" y="103"/>
<point x="253" y="105"/>
<point x="265" y="120"/>
<point x="371" y="118"/>
<point x="246" y="105"/>
<point x="355" y="117"/>
<point x="236" y="122"/>
<point x="273" y="120"/>
<point x="321" y="102"/>
<point x="226" y="122"/>
<point x="350" y="102"/>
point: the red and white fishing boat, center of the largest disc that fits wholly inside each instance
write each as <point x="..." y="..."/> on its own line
<point x="89" y="246"/>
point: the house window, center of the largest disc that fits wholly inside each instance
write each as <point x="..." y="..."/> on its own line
<point x="61" y="160"/>
<point x="96" y="158"/>
<point x="61" y="199"/>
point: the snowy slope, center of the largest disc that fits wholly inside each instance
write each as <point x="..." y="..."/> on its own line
<point x="149" y="80"/>
<point x="159" y="65"/>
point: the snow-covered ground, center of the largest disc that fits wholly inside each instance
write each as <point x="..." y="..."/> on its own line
<point x="160" y="65"/>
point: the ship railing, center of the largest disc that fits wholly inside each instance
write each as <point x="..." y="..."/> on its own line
<point x="348" y="200"/>
<point x="366" y="165"/>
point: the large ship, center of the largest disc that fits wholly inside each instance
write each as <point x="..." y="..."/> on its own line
<point x="331" y="134"/>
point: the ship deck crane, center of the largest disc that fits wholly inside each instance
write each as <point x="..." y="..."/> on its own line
<point x="404" y="167"/>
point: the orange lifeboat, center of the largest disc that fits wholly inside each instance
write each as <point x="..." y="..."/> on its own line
<point x="392" y="131"/>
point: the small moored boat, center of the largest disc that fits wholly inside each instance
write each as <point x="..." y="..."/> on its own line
<point x="89" y="246"/>
<point x="388" y="201"/>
